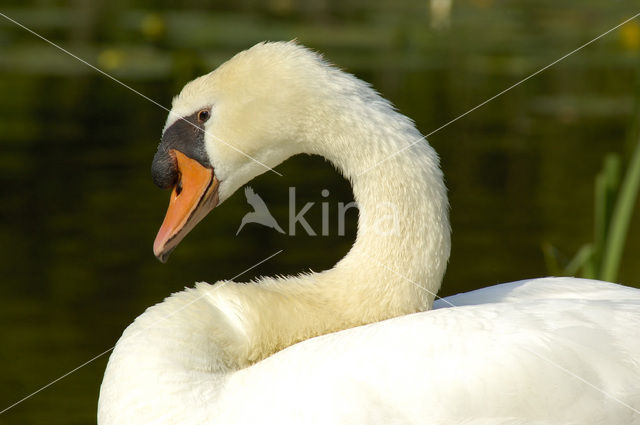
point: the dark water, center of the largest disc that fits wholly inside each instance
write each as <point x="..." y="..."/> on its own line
<point x="79" y="211"/>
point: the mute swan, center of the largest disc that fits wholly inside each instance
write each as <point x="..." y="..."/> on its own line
<point x="291" y="350"/>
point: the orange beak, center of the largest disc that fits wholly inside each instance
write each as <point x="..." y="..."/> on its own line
<point x="192" y="198"/>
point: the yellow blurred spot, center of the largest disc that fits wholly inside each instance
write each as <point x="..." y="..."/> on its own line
<point x="630" y="36"/>
<point x="110" y="59"/>
<point x="153" y="26"/>
<point x="440" y="12"/>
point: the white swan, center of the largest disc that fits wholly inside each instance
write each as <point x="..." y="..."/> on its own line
<point x="544" y="351"/>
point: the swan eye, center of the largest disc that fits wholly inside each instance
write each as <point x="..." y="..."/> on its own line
<point x="203" y="115"/>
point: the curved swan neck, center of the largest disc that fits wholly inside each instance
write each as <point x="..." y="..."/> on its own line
<point x="188" y="345"/>
<point x="403" y="234"/>
<point x="395" y="266"/>
<point x="402" y="246"/>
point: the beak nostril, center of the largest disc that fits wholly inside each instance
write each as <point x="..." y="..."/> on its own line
<point x="179" y="187"/>
<point x="164" y="170"/>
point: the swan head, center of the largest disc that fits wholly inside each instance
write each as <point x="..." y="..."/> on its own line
<point x="230" y="125"/>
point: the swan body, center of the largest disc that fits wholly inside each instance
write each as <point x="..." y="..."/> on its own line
<point x="363" y="342"/>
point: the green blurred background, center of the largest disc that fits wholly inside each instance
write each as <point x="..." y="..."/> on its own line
<point x="79" y="212"/>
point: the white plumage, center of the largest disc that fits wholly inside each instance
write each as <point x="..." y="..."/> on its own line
<point x="353" y="344"/>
